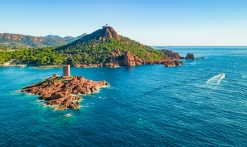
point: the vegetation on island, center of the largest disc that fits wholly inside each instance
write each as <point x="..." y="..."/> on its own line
<point x="96" y="51"/>
<point x="90" y="49"/>
<point x="36" y="57"/>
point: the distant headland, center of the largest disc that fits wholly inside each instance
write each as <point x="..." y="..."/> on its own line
<point x="103" y="47"/>
<point x="19" y="41"/>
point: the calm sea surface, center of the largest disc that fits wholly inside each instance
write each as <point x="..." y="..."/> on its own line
<point x="147" y="105"/>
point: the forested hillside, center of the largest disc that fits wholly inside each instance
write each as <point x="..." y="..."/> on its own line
<point x="93" y="48"/>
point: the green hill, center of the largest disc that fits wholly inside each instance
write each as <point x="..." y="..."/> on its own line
<point x="98" y="46"/>
<point x="95" y="48"/>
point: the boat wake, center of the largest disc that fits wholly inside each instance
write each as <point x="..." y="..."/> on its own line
<point x="216" y="78"/>
<point x="68" y="115"/>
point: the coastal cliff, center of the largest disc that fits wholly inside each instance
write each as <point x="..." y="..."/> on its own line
<point x="63" y="93"/>
<point x="117" y="59"/>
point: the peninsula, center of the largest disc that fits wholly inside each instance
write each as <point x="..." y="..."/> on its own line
<point x="103" y="47"/>
<point x="62" y="92"/>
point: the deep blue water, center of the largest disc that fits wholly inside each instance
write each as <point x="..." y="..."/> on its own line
<point x="145" y="106"/>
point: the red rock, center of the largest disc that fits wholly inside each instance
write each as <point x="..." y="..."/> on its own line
<point x="55" y="75"/>
<point x="171" y="54"/>
<point x="190" y="56"/>
<point x="111" y="33"/>
<point x="114" y="59"/>
<point x="178" y="63"/>
<point x="129" y="59"/>
<point x="60" y="92"/>
<point x="89" y="65"/>
<point x="169" y="63"/>
<point x="138" y="61"/>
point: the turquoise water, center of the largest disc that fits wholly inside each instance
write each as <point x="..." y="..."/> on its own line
<point x="145" y="106"/>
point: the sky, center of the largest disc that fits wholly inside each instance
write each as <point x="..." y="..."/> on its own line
<point x="150" y="22"/>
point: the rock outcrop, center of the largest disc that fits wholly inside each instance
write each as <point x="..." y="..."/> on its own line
<point x="110" y="33"/>
<point x="130" y="60"/>
<point x="89" y="65"/>
<point x="115" y="61"/>
<point x="171" y="54"/>
<point x="199" y="58"/>
<point x="101" y="34"/>
<point x="63" y="93"/>
<point x="127" y="59"/>
<point x="190" y="56"/>
<point x="173" y="63"/>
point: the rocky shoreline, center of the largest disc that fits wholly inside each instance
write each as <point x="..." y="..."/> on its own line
<point x="62" y="93"/>
<point x="127" y="59"/>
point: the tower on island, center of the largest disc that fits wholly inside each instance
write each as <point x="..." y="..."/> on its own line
<point x="66" y="70"/>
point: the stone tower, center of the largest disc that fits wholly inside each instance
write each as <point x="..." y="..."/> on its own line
<point x="66" y="70"/>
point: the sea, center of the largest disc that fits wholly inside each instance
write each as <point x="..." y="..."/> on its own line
<point x="201" y="103"/>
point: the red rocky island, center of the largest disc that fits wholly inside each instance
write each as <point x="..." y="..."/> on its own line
<point x="62" y="92"/>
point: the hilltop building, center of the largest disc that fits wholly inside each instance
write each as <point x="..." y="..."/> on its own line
<point x="103" y="27"/>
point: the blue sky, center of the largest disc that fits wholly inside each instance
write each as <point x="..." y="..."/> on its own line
<point x="151" y="22"/>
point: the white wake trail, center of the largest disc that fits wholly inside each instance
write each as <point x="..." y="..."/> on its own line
<point x="222" y="77"/>
<point x="218" y="77"/>
<point x="214" y="77"/>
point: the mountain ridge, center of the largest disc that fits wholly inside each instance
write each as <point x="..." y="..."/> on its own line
<point x="27" y="41"/>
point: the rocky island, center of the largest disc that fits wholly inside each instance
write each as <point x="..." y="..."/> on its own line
<point x="62" y="92"/>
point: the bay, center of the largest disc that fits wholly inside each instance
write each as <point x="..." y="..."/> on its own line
<point x="147" y="105"/>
